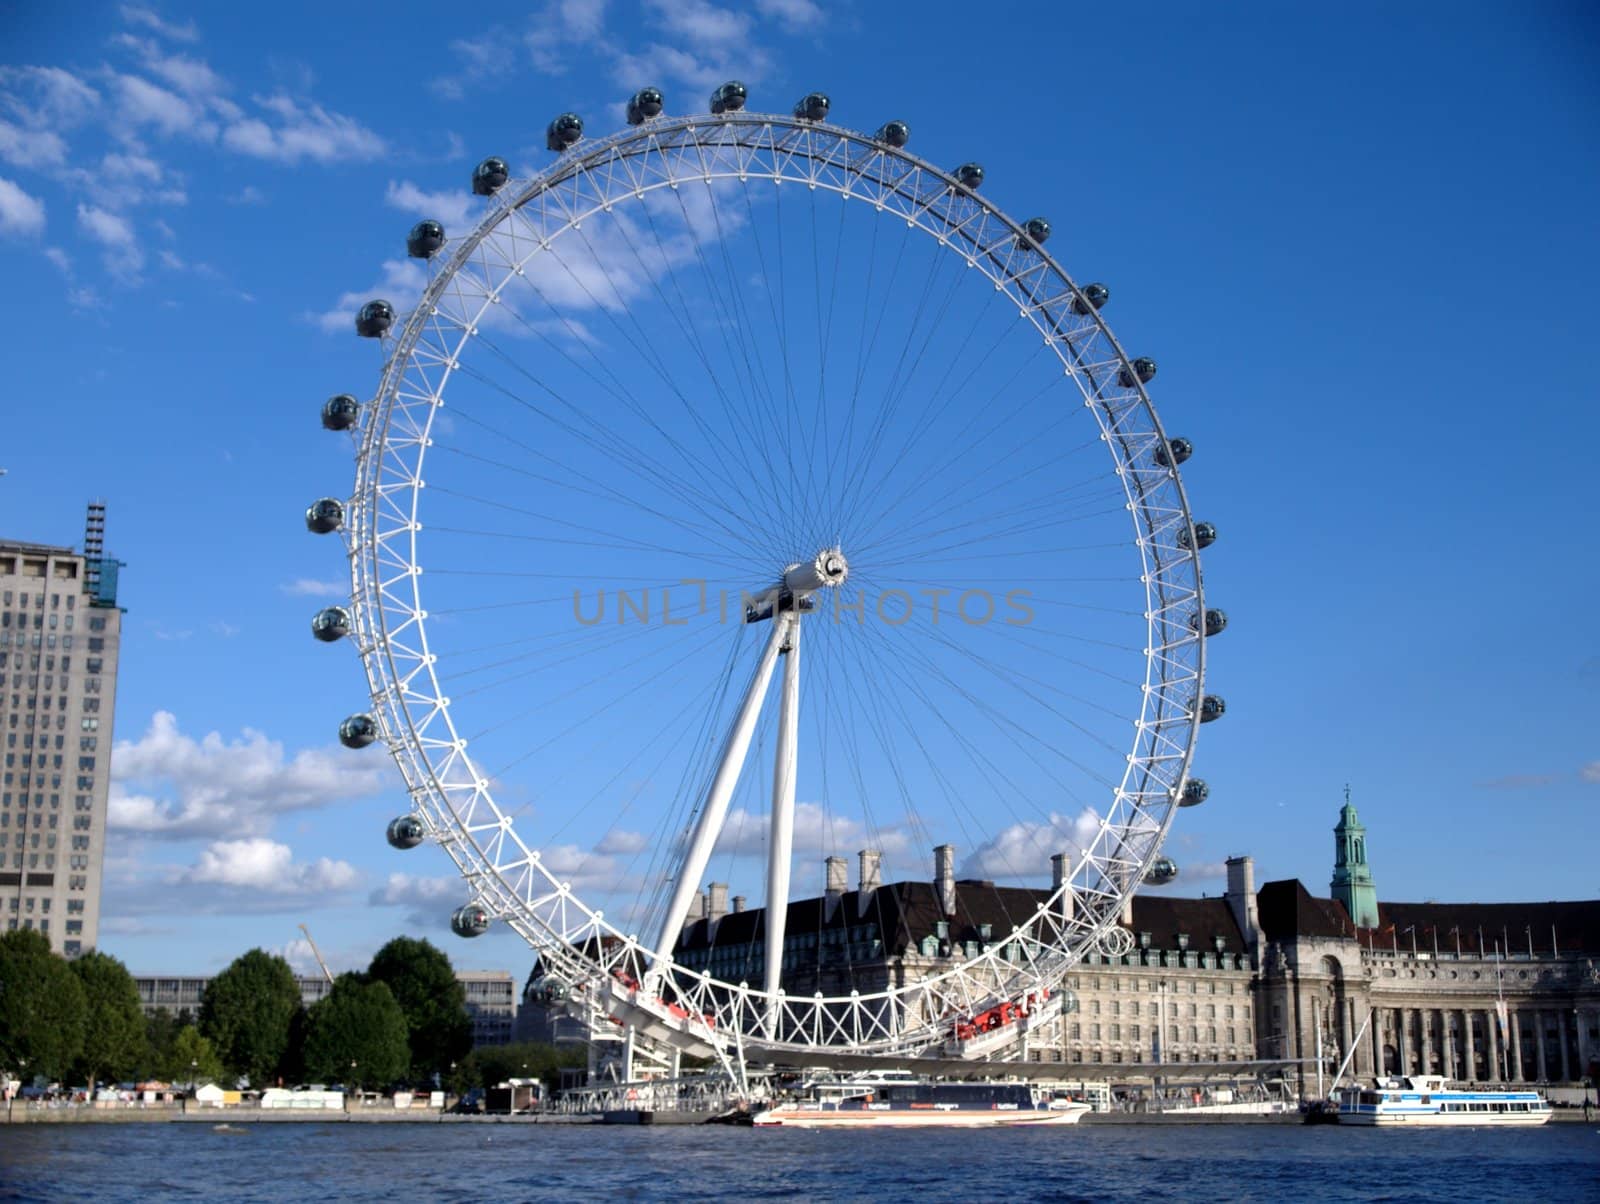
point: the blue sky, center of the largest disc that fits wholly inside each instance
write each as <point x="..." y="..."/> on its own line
<point x="1361" y="244"/>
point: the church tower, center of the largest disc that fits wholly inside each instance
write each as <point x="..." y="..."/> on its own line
<point x="1352" y="877"/>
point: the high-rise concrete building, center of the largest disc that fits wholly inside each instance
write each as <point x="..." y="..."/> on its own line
<point x="60" y="634"/>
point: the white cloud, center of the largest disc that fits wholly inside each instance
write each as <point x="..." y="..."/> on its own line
<point x="31" y="148"/>
<point x="56" y="99"/>
<point x="105" y="228"/>
<point x="124" y="258"/>
<point x="1590" y="772"/>
<point x="621" y="842"/>
<point x="140" y="103"/>
<point x="302" y="133"/>
<point x="170" y="785"/>
<point x="669" y="64"/>
<point x="84" y="298"/>
<point x="61" y="259"/>
<point x="309" y="587"/>
<point x="407" y="890"/>
<point x="131" y="167"/>
<point x="134" y="15"/>
<point x="703" y="25"/>
<point x="745" y="834"/>
<point x="1023" y="850"/>
<point x="19" y="213"/>
<point x="792" y="14"/>
<point x="580" y="20"/>
<point x="170" y="261"/>
<point x="428" y="900"/>
<point x="402" y="283"/>
<point x="187" y="75"/>
<point x="256" y="863"/>
<point x="451" y="208"/>
<point x="248" y="195"/>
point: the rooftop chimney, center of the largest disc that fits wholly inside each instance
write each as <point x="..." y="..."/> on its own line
<point x="717" y="905"/>
<point x="871" y="879"/>
<point x="697" y="909"/>
<point x="738" y="904"/>
<point x="871" y="870"/>
<point x="944" y="877"/>
<point x="1241" y="897"/>
<point x="835" y="872"/>
<point x="835" y="877"/>
<point x="1058" y="878"/>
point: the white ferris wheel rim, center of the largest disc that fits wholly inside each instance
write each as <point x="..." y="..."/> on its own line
<point x="453" y="797"/>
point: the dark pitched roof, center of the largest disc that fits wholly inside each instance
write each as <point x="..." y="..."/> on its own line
<point x="1204" y="921"/>
<point x="1570" y="926"/>
<point x="1287" y="909"/>
<point x="906" y="912"/>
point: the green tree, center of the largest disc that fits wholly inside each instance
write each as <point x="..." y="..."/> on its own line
<point x="356" y="1022"/>
<point x="192" y="1058"/>
<point x="435" y="1004"/>
<point x="160" y="1030"/>
<point x="246" y="1013"/>
<point x="114" y="1030"/>
<point x="42" y="1007"/>
<point x="491" y="1065"/>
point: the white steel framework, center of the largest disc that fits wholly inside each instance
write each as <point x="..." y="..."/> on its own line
<point x="611" y="969"/>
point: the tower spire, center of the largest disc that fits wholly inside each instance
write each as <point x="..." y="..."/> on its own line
<point x="1352" y="877"/>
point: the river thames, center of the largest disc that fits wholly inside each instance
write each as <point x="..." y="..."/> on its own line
<point x="527" y="1162"/>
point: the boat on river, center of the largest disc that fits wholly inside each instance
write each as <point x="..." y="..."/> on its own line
<point x="1425" y="1099"/>
<point x="896" y="1100"/>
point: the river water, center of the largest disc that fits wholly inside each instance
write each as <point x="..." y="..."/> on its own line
<point x="504" y="1163"/>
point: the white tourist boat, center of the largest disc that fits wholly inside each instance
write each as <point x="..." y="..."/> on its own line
<point x="1424" y="1099"/>
<point x="896" y="1100"/>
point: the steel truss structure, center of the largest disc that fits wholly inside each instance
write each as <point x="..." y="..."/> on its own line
<point x="608" y="970"/>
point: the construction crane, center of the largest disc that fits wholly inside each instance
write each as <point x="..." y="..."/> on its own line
<point x="314" y="953"/>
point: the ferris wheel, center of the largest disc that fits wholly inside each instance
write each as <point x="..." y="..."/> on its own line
<point x="700" y="397"/>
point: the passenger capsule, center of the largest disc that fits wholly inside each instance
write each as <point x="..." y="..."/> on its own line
<point x="1195" y="792"/>
<point x="358" y="731"/>
<point x="406" y="832"/>
<point x="1090" y="298"/>
<point x="645" y="104"/>
<point x="325" y="515"/>
<point x="1212" y="707"/>
<point x="813" y="106"/>
<point x="471" y="920"/>
<point x="1035" y="230"/>
<point x="1205" y="534"/>
<point x="490" y="176"/>
<point x="425" y="239"/>
<point x="330" y="624"/>
<point x="1162" y="871"/>
<point x="1143" y="369"/>
<point x="893" y="133"/>
<point x="729" y="98"/>
<point x="340" y="413"/>
<point x="1182" y="449"/>
<point x="374" y="320"/>
<point x="563" y="132"/>
<point x="970" y="175"/>
<point x="1216" y="622"/>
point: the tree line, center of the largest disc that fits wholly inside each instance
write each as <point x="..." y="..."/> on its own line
<point x="402" y="1020"/>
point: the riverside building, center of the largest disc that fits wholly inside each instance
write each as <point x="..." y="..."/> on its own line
<point x="60" y="635"/>
<point x="491" y="998"/>
<point x="1242" y="983"/>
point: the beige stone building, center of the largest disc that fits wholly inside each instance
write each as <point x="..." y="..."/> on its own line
<point x="60" y="636"/>
<point x="1245" y="983"/>
<point x="491" y="998"/>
